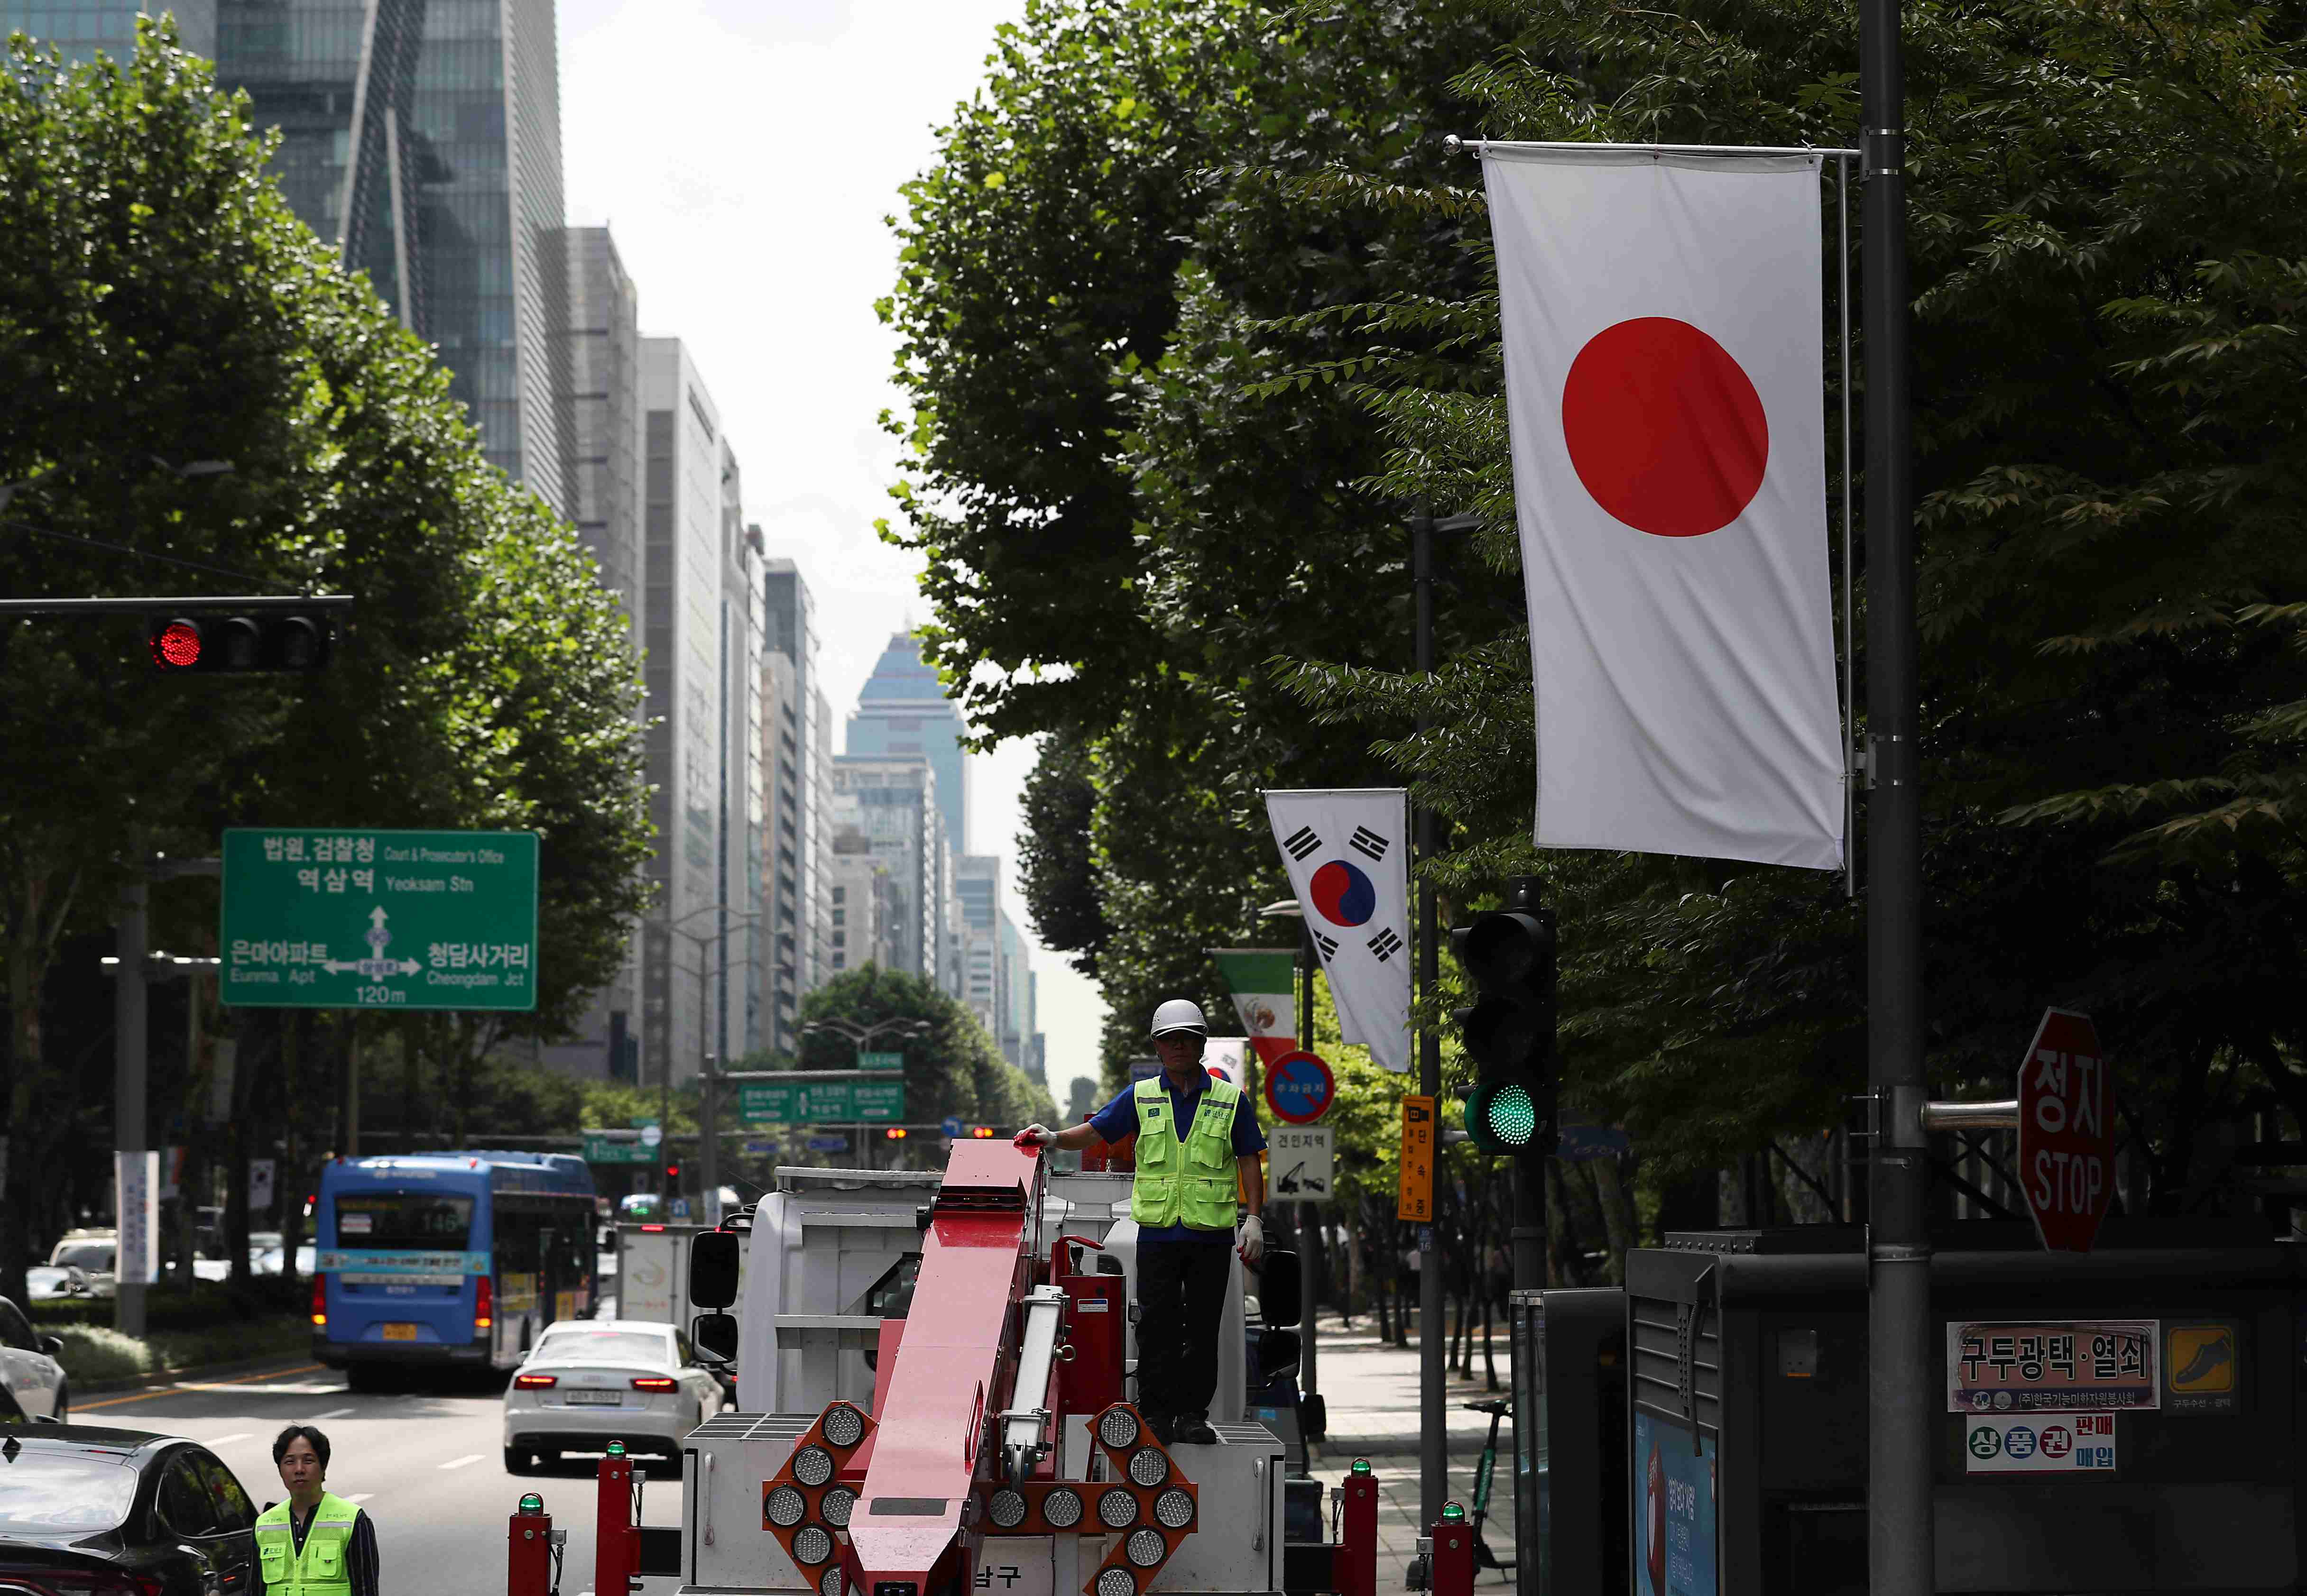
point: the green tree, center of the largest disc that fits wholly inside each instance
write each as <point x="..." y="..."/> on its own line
<point x="954" y="1068"/>
<point x="165" y="306"/>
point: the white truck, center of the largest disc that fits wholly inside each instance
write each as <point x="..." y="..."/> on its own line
<point x="652" y="1273"/>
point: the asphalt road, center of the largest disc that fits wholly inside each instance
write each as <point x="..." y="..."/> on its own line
<point x="427" y="1464"/>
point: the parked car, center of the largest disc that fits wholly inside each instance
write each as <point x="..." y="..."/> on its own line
<point x="589" y="1382"/>
<point x="86" y="1508"/>
<point x="29" y="1368"/>
<point x="265" y="1251"/>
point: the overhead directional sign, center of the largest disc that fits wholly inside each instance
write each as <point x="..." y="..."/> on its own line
<point x="1299" y="1088"/>
<point x="1300" y="1160"/>
<point x="822" y="1102"/>
<point x="317" y="918"/>
<point x="601" y="1147"/>
<point x="2066" y="1143"/>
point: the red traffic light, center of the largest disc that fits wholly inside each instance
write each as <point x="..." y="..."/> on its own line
<point x="893" y="1133"/>
<point x="672" y="1171"/>
<point x="176" y="645"/>
<point x="981" y="1132"/>
<point x="265" y="641"/>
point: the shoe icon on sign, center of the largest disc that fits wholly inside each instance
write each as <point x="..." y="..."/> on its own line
<point x="2205" y="1356"/>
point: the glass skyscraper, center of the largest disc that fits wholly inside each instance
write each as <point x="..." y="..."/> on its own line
<point x="82" y="28"/>
<point x="422" y="137"/>
<point x="904" y="710"/>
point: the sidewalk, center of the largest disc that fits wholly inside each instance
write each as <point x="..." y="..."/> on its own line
<point x="1371" y="1388"/>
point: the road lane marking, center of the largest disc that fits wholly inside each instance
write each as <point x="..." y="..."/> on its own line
<point x="337" y="1414"/>
<point x="459" y="1463"/>
<point x="179" y="1390"/>
<point x="227" y="1440"/>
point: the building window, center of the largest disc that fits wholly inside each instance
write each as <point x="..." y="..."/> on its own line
<point x="840" y="961"/>
<point x="840" y="916"/>
<point x="841" y="939"/>
<point x="840" y="894"/>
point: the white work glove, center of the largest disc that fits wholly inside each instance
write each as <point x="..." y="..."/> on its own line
<point x="1252" y="1240"/>
<point x="1034" y="1136"/>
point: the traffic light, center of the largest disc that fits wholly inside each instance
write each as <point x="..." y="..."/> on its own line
<point x="1509" y="1030"/>
<point x="672" y="1171"/>
<point x="981" y="1132"/>
<point x="210" y="643"/>
<point x="893" y="1133"/>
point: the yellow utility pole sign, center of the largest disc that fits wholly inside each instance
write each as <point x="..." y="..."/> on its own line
<point x="1416" y="1202"/>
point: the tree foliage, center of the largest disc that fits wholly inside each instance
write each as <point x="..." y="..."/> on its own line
<point x="160" y="304"/>
<point x="2105" y="236"/>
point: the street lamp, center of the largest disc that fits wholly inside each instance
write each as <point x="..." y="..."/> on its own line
<point x="708" y="1151"/>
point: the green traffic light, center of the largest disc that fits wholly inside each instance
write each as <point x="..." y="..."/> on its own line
<point x="1501" y="1116"/>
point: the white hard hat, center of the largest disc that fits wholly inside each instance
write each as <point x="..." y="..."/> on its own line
<point x="1179" y="1015"/>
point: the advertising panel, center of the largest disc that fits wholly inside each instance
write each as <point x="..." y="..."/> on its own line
<point x="1674" y="1522"/>
<point x="2038" y="1366"/>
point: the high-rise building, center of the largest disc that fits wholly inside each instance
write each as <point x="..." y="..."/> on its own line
<point x="738" y="952"/>
<point x="797" y="758"/>
<point x="682" y="575"/>
<point x="423" y="137"/>
<point x="82" y="29"/>
<point x="902" y="711"/>
<point x="864" y="904"/>
<point x="893" y="803"/>
<point x="605" y="434"/>
<point x="1013" y="1023"/>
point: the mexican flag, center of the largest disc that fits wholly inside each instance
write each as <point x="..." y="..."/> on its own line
<point x="1263" y="981"/>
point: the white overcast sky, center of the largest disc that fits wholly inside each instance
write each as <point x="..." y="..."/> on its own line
<point x="745" y="153"/>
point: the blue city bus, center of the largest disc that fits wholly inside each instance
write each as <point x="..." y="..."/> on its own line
<point x="448" y="1260"/>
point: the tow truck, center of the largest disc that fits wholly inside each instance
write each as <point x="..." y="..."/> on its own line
<point x="934" y="1375"/>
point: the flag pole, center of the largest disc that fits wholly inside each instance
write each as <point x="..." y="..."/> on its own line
<point x="1434" y="1457"/>
<point x="1901" y="1560"/>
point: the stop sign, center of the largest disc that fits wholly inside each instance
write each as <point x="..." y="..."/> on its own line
<point x="2066" y="1144"/>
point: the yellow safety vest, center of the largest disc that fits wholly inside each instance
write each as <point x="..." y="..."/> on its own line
<point x="322" y="1568"/>
<point x="1190" y="1184"/>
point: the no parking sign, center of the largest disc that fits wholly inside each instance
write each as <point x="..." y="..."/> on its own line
<point x="1299" y="1088"/>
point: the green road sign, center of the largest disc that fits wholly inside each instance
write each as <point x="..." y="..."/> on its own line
<point x="822" y="1102"/>
<point x="600" y="1150"/>
<point x="880" y="1060"/>
<point x="379" y="919"/>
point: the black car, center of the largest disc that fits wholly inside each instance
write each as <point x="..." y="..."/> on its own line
<point x="87" y="1511"/>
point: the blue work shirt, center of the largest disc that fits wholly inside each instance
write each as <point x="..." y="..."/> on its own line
<point x="1119" y="1119"/>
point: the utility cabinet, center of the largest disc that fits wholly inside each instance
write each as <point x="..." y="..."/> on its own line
<point x="1569" y="1466"/>
<point x="2127" y="1419"/>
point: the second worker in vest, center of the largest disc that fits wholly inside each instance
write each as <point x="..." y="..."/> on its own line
<point x="1195" y="1135"/>
<point x="315" y="1543"/>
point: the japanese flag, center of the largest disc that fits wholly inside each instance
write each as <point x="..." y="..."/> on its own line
<point x="1662" y="317"/>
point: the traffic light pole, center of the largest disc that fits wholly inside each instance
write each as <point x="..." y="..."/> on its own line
<point x="1434" y="1457"/>
<point x="1901" y="1558"/>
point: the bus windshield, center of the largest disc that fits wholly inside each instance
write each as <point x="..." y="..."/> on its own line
<point x="426" y="1220"/>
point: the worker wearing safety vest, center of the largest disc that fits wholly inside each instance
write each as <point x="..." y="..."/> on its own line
<point x="315" y="1543"/>
<point x="1196" y="1134"/>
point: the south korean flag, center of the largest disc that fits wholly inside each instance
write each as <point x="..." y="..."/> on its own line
<point x="1348" y="855"/>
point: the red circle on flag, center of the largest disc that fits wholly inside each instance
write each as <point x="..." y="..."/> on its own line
<point x="1664" y="427"/>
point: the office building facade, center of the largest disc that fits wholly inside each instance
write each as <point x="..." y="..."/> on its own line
<point x="83" y="30"/>
<point x="423" y="137"/>
<point x="797" y="844"/>
<point x="738" y="954"/>
<point x="893" y="805"/>
<point x="862" y="907"/>
<point x="682" y="575"/>
<point x="903" y="713"/>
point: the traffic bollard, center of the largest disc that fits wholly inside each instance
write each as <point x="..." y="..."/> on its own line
<point x="1452" y="1563"/>
<point x="1354" y="1564"/>
<point x="616" y="1546"/>
<point x="528" y="1560"/>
